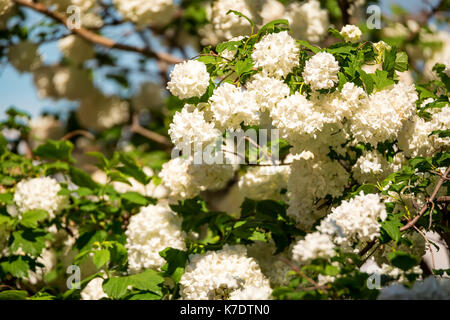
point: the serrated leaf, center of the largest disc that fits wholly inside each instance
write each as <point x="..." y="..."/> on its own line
<point x="401" y="61"/>
<point x="82" y="179"/>
<point x="30" y="241"/>
<point x="55" y="150"/>
<point x="101" y="257"/>
<point x="30" y="219"/>
<point x="243" y="66"/>
<point x="13" y="295"/>
<point x="135" y="197"/>
<point x="403" y="260"/>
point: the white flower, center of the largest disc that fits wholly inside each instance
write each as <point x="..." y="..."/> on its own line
<point x="277" y="54"/>
<point x="230" y="25"/>
<point x="356" y="219"/>
<point x="188" y="79"/>
<point x="211" y="176"/>
<point x="43" y="128"/>
<point x="76" y="48"/>
<point x="415" y="139"/>
<point x="146" y="12"/>
<point x="267" y="91"/>
<point x="152" y="230"/>
<point x="264" y="182"/>
<point x="351" y="33"/>
<point x="189" y="129"/>
<point x="93" y="290"/>
<point x="321" y="71"/>
<point x="101" y="112"/>
<point x="383" y="115"/>
<point x="272" y="10"/>
<point x="307" y="20"/>
<point x="314" y="246"/>
<point x="312" y="178"/>
<point x="222" y="274"/>
<point x="231" y="106"/>
<point x="24" y="56"/>
<point x="43" y="80"/>
<point x="39" y="194"/>
<point x="370" y="167"/>
<point x="149" y="97"/>
<point x="72" y="83"/>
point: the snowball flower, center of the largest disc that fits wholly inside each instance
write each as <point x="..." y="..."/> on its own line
<point x="277" y="54"/>
<point x="351" y="33"/>
<point x="39" y="194"/>
<point x="188" y="79"/>
<point x="232" y="105"/>
<point x="152" y="230"/>
<point x="150" y="96"/>
<point x="93" y="290"/>
<point x="314" y="246"/>
<point x="267" y="91"/>
<point x="146" y="12"/>
<point x="321" y="71"/>
<point x="24" y="56"/>
<point x="307" y="20"/>
<point x="177" y="180"/>
<point x="228" y="25"/>
<point x="189" y="129"/>
<point x="357" y="219"/>
<point x="76" y="48"/>
<point x="223" y="274"/>
<point x="43" y="128"/>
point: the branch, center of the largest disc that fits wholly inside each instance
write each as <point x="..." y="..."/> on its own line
<point x="412" y="222"/>
<point x="297" y="270"/>
<point x="137" y="128"/>
<point x="96" y="38"/>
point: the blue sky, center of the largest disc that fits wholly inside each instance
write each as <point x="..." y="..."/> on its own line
<point x="18" y="89"/>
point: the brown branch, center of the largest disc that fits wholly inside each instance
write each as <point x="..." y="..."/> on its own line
<point x="74" y="133"/>
<point x="301" y="274"/>
<point x="412" y="222"/>
<point x="137" y="128"/>
<point x="96" y="38"/>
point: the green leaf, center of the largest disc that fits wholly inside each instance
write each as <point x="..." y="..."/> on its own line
<point x="281" y="24"/>
<point x="335" y="33"/>
<point x="13" y="295"/>
<point x="381" y="80"/>
<point x="401" y="61"/>
<point x="55" y="150"/>
<point x="306" y="44"/>
<point x="389" y="61"/>
<point x="6" y="198"/>
<point x="239" y="14"/>
<point x="243" y="66"/>
<point x="149" y="280"/>
<point x="392" y="228"/>
<point x="403" y="260"/>
<point x="176" y="262"/>
<point x="31" y="241"/>
<point x="101" y="257"/>
<point x="82" y="179"/>
<point x="130" y="168"/>
<point x="17" y="266"/>
<point x="30" y="219"/>
<point x="367" y="80"/>
<point x="116" y="287"/>
<point x="135" y="197"/>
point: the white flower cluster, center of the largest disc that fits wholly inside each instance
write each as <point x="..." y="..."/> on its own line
<point x="315" y="245"/>
<point x="39" y="194"/>
<point x="100" y="112"/>
<point x="76" y="48"/>
<point x="189" y="129"/>
<point x="231" y="106"/>
<point x="145" y="12"/>
<point x="43" y="128"/>
<point x="188" y="79"/>
<point x="357" y="219"/>
<point x="185" y="180"/>
<point x="321" y="71"/>
<point x="264" y="182"/>
<point x="24" y="56"/>
<point x="225" y="274"/>
<point x="93" y="290"/>
<point x="152" y="230"/>
<point x="372" y="166"/>
<point x="277" y="54"/>
<point x="268" y="91"/>
<point x="227" y="26"/>
<point x="307" y="20"/>
<point x="416" y="140"/>
<point x="329" y="178"/>
<point x="430" y="289"/>
<point x="271" y="266"/>
<point x="351" y="33"/>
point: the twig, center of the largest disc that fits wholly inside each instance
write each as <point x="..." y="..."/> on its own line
<point x="429" y="245"/>
<point x="96" y="38"/>
<point x="74" y="133"/>
<point x="301" y="274"/>
<point x="430" y="200"/>
<point x="137" y="128"/>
